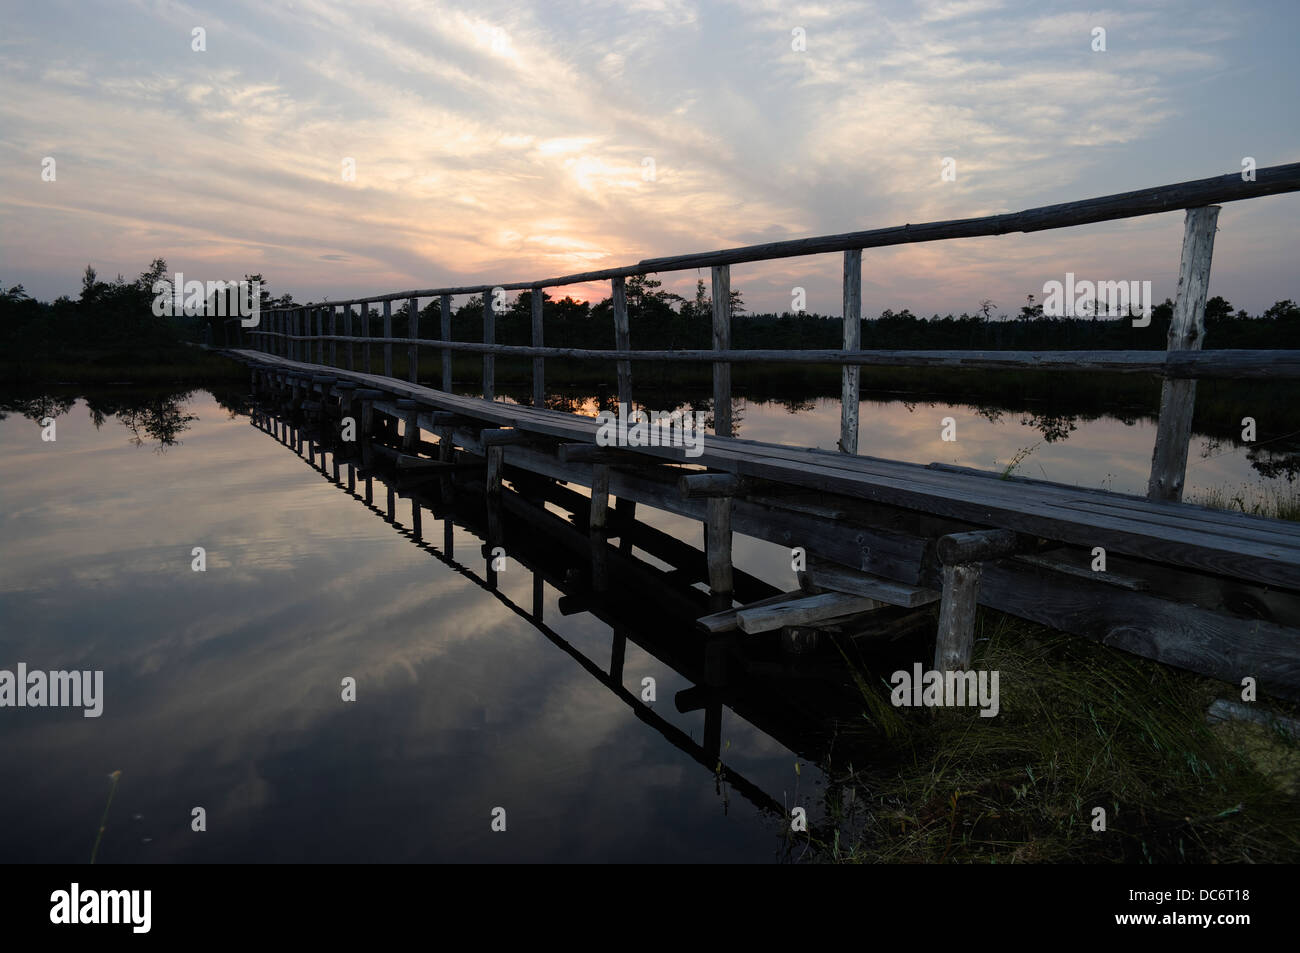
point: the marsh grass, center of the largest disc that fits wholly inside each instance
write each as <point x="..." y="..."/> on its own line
<point x="1273" y="501"/>
<point x="1080" y="726"/>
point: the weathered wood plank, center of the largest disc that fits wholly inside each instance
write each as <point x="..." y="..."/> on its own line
<point x="826" y="575"/>
<point x="801" y="610"/>
<point x="726" y="620"/>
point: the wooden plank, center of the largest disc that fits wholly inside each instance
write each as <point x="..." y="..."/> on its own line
<point x="1151" y="201"/>
<point x="801" y="610"/>
<point x="1178" y="397"/>
<point x="727" y="621"/>
<point x="722" y="342"/>
<point x="826" y="575"/>
<point x="1226" y="363"/>
<point x="539" y="363"/>
<point x="956" y="638"/>
<point x="622" y="341"/>
<point x="849" y="400"/>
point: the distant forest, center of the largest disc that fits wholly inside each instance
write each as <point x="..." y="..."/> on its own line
<point x="113" y="323"/>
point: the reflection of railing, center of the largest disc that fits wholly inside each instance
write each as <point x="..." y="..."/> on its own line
<point x="555" y="552"/>
<point x="295" y="332"/>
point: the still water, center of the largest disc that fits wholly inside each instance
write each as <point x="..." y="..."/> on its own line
<point x="222" y="687"/>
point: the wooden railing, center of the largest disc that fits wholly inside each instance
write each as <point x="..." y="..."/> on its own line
<point x="294" y="331"/>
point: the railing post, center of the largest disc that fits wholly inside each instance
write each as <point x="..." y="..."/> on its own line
<point x="622" y="341"/>
<point x="722" y="342"/>
<point x="388" y="337"/>
<point x="334" y="330"/>
<point x="1178" y="397"/>
<point x="445" y="307"/>
<point x="365" y="333"/>
<point x="347" y="333"/>
<point x="539" y="363"/>
<point x="489" y="337"/>
<point x="413" y="332"/>
<point x="293" y="333"/>
<point x="320" y="335"/>
<point x="852" y="342"/>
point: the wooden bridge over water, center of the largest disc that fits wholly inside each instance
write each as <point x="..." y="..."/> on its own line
<point x="1211" y="591"/>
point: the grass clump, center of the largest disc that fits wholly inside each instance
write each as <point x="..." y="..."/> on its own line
<point x="1080" y="727"/>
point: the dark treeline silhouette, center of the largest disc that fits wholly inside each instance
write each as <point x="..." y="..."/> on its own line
<point x="114" y="324"/>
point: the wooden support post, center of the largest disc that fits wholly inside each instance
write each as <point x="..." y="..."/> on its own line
<point x="448" y="538"/>
<point x="1178" y="397"/>
<point x="320" y="335"/>
<point x="416" y="530"/>
<point x="445" y="302"/>
<point x="496" y="457"/>
<point x="347" y="332"/>
<point x="365" y="333"/>
<point x="952" y="650"/>
<point x="413" y="332"/>
<point x="599" y="497"/>
<point x="538" y="593"/>
<point x="388" y="338"/>
<point x="717" y="549"/>
<point x="334" y="330"/>
<point x="722" y="342"/>
<point x="539" y="363"/>
<point x="851" y="373"/>
<point x="623" y="342"/>
<point x="489" y="337"/>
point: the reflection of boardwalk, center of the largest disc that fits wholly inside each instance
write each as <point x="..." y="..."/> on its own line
<point x="574" y="563"/>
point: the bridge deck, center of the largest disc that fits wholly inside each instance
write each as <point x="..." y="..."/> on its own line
<point x="1239" y="546"/>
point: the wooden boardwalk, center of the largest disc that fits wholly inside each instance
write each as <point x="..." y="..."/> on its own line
<point x="1210" y="591"/>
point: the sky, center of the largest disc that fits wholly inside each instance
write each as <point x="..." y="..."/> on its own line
<point x="497" y="142"/>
